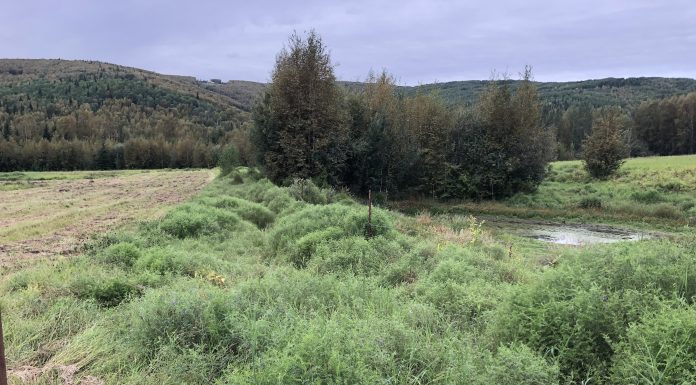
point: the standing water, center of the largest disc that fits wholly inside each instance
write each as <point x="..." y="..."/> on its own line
<point x="566" y="234"/>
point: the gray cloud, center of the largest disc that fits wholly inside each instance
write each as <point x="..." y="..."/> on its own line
<point x="418" y="41"/>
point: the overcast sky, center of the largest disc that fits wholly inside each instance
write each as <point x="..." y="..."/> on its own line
<point x="417" y="41"/>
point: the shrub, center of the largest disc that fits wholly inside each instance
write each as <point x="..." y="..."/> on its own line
<point x="661" y="349"/>
<point x="123" y="254"/>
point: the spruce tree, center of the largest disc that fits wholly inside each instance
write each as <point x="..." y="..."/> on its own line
<point x="604" y="151"/>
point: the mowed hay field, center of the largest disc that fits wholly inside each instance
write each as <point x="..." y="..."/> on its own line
<point x="45" y="214"/>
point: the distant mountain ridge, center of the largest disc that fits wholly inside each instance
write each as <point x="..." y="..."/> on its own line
<point x="625" y="92"/>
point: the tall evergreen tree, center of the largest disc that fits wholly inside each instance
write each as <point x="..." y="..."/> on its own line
<point x="301" y="120"/>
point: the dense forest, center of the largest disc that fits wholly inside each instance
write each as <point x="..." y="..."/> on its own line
<point x="68" y="115"/>
<point x="65" y="115"/>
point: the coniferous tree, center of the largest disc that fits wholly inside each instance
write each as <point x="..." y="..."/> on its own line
<point x="301" y="119"/>
<point x="604" y="151"/>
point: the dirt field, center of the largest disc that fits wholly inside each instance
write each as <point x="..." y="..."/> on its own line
<point x="42" y="217"/>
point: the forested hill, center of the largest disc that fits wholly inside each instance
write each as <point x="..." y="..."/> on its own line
<point x="53" y="72"/>
<point x="625" y="92"/>
<point x="60" y="114"/>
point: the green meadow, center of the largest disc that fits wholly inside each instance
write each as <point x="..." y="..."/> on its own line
<point x="251" y="283"/>
<point x="646" y="192"/>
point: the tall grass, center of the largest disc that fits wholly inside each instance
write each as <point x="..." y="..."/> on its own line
<point x="251" y="283"/>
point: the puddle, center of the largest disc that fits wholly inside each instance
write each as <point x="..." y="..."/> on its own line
<point x="566" y="234"/>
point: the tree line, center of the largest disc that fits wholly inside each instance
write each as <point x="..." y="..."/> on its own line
<point x="375" y="135"/>
<point x="666" y="126"/>
<point x="306" y="126"/>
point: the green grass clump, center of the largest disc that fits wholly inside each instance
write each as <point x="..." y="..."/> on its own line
<point x="518" y="364"/>
<point x="175" y="261"/>
<point x="185" y="315"/>
<point x="658" y="350"/>
<point x="647" y="196"/>
<point x="354" y="254"/>
<point x="349" y="221"/>
<point x="465" y="284"/>
<point x="667" y="211"/>
<point x="590" y="203"/>
<point x="249" y="211"/>
<point x="276" y="199"/>
<point x="306" y="191"/>
<point x="123" y="254"/>
<point x="250" y="283"/>
<point x="106" y="292"/>
<point x="193" y="219"/>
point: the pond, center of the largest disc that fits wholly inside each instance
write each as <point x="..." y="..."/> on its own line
<point x="566" y="234"/>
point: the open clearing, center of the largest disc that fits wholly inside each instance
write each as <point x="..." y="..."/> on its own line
<point x="43" y="215"/>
